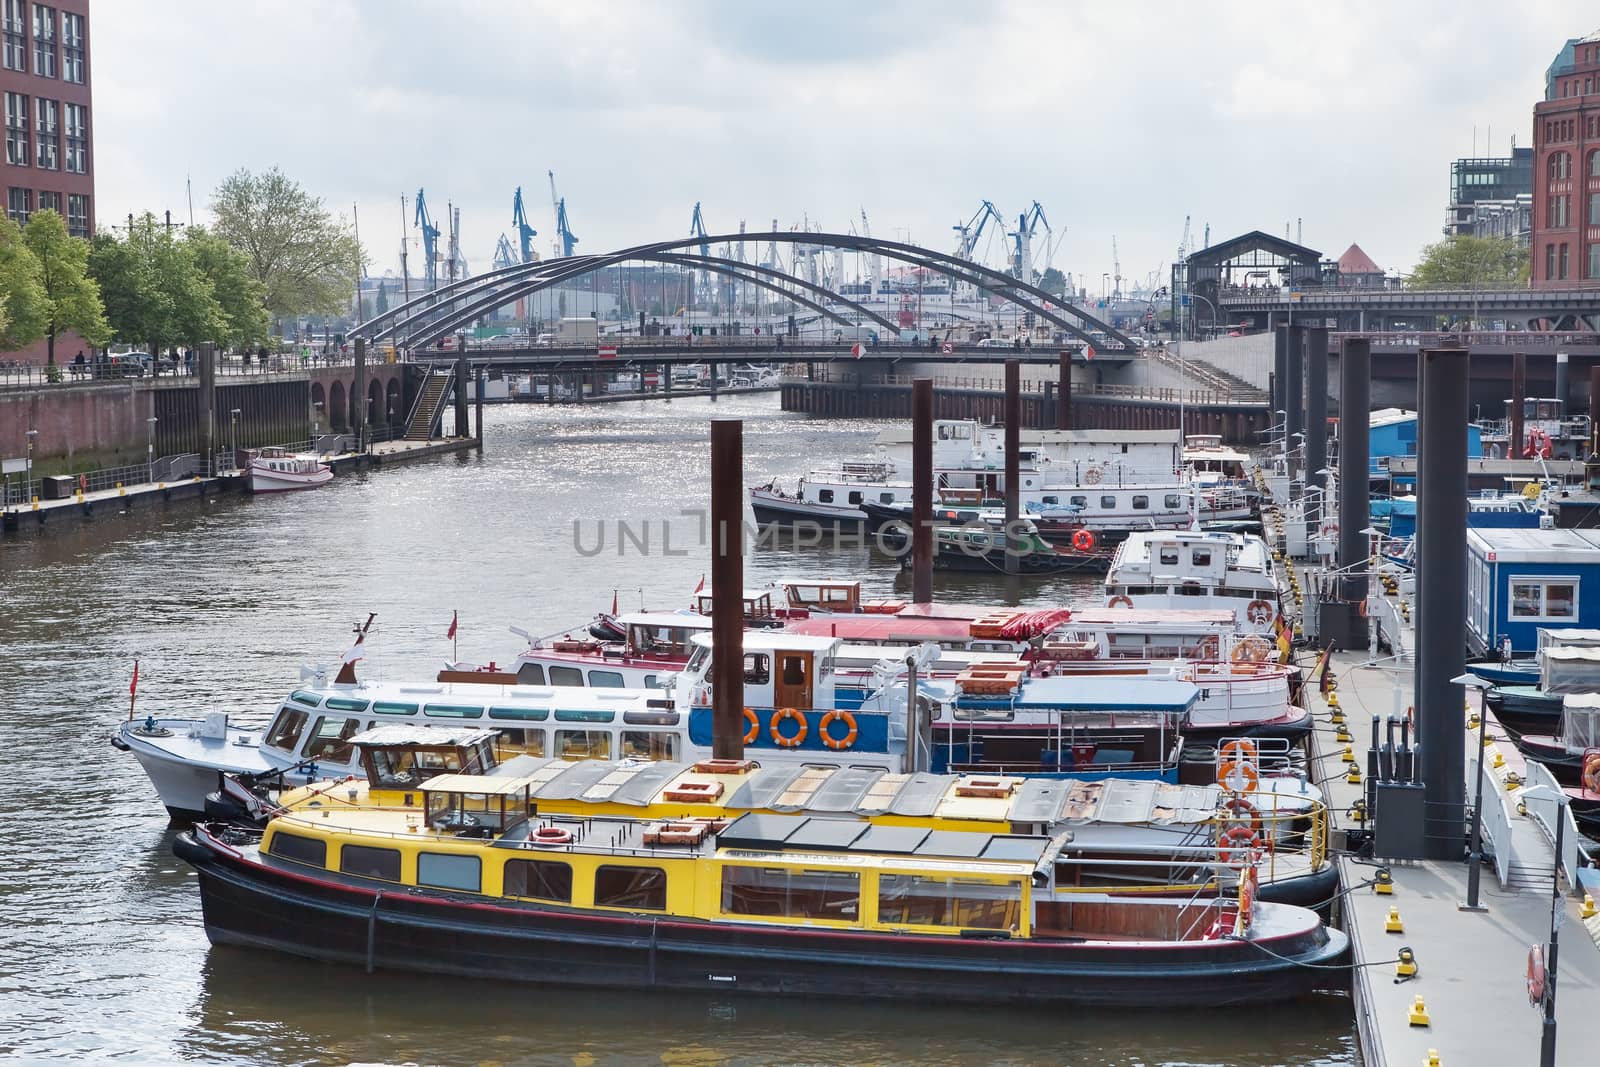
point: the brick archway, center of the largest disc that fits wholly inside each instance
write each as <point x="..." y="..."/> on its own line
<point x="338" y="410"/>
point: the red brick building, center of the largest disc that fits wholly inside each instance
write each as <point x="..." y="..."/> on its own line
<point x="1566" y="170"/>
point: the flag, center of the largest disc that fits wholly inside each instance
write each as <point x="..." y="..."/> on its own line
<point x="451" y="633"/>
<point x="613" y="601"/>
<point x="700" y="586"/>
<point x="1283" y="647"/>
<point x="856" y="350"/>
<point x="354" y="653"/>
<point x="1088" y="351"/>
<point x="133" y="686"/>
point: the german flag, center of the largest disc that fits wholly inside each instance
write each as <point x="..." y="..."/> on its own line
<point x="1281" y="635"/>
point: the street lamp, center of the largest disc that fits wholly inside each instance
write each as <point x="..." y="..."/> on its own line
<point x="233" y="437"/>
<point x="316" y="422"/>
<point x="27" y="477"/>
<point x="150" y="450"/>
<point x="1475" y="857"/>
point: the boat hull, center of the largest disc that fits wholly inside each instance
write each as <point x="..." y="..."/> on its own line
<point x="249" y="903"/>
<point x="268" y="481"/>
<point x="1524" y="712"/>
<point x="1495" y="672"/>
<point x="773" y="510"/>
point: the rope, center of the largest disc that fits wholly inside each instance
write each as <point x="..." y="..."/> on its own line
<point x="1310" y="966"/>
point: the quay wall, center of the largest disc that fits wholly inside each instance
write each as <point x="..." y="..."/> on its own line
<point x="102" y="424"/>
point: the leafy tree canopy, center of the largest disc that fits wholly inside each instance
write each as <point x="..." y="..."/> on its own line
<point x="1460" y="260"/>
<point x="71" y="297"/>
<point x="304" y="258"/>
<point x="26" y="304"/>
<point x="241" y="298"/>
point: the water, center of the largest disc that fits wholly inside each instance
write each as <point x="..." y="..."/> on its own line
<point x="102" y="953"/>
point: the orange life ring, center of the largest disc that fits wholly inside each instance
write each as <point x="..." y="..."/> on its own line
<point x="1083" y="540"/>
<point x="1591" y="772"/>
<point x="1238" y="845"/>
<point x="1251" y="649"/>
<point x="1230" y="773"/>
<point x="838" y="744"/>
<point x="1238" y="749"/>
<point x="1258" y="612"/>
<point x="1208" y="648"/>
<point x="1244" y="812"/>
<point x="550" y="837"/>
<point x="1120" y="602"/>
<point x="1536" y="975"/>
<point x="1092" y="476"/>
<point x="782" y="740"/>
<point x="754" y="731"/>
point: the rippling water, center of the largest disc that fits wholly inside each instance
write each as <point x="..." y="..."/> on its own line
<point x="102" y="953"/>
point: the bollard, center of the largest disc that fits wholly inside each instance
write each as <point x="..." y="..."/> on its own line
<point x="1393" y="925"/>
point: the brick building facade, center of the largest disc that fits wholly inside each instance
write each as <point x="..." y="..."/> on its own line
<point x="1566" y="170"/>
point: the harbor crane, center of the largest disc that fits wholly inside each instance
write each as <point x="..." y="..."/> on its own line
<point x="565" y="238"/>
<point x="697" y="228"/>
<point x="430" y="243"/>
<point x="1116" y="270"/>
<point x="874" y="263"/>
<point x="504" y="255"/>
<point x="974" y="229"/>
<point x="525" y="232"/>
<point x="453" y="213"/>
<point x="1027" y="225"/>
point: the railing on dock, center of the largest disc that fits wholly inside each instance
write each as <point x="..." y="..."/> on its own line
<point x="1546" y="803"/>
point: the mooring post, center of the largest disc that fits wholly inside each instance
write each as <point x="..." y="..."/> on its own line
<point x="1594" y="409"/>
<point x="1355" y="400"/>
<point x="1064" y="391"/>
<point x="461" y="386"/>
<point x="1294" y="403"/>
<point x="1561" y="381"/>
<point x="1519" y="393"/>
<point x="1317" y="417"/>
<point x="727" y="589"/>
<point x="360" y="390"/>
<point x="1280" y="363"/>
<point x="481" y="380"/>
<point x="1013" y="470"/>
<point x="922" y="490"/>
<point x="206" y="366"/>
<point x="1442" y="541"/>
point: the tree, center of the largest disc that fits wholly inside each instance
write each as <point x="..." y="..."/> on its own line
<point x="238" y="294"/>
<point x="304" y="258"/>
<point x="1459" y="260"/>
<point x="153" y="290"/>
<point x="27" y="308"/>
<point x="382" y="306"/>
<point x="1052" y="281"/>
<point x="71" y="297"/>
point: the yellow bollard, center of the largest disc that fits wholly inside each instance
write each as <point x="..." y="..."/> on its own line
<point x="1588" y="909"/>
<point x="1406" y="965"/>
<point x="1349" y="755"/>
<point x="1392" y="924"/>
<point x="1383" y="882"/>
<point x="1354" y="775"/>
<point x="1418" y="1015"/>
<point x="1433" y="1058"/>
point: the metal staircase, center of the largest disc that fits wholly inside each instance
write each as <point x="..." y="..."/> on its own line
<point x="423" y="425"/>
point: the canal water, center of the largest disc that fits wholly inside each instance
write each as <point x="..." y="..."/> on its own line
<point x="102" y="952"/>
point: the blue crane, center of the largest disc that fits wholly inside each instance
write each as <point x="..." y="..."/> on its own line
<point x="504" y="255"/>
<point x="430" y="242"/>
<point x="565" y="238"/>
<point x="1022" y="250"/>
<point x="525" y="233"/>
<point x="697" y="228"/>
<point x="974" y="228"/>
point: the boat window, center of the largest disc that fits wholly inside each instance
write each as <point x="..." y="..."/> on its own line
<point x="886" y="498"/>
<point x="1167" y="556"/>
<point x="312" y="850"/>
<point x="1049" y="500"/>
<point x="1201" y="557"/>
<point x="1193" y="590"/>
<point x="531" y="674"/>
<point x="367" y="862"/>
<point x="1078" y="501"/>
<point x="698" y="659"/>
<point x="904" y="898"/>
<point x="757" y="669"/>
<point x="794" y="670"/>
<point x="539" y="879"/>
<point x="526" y="714"/>
<point x="791" y="894"/>
<point x="649" y="744"/>
<point x="309" y="699"/>
<point x="453" y="711"/>
<point x="636" y="888"/>
<point x="345" y="704"/>
<point x="1108" y="502"/>
<point x="390" y="707"/>
<point x="329" y="739"/>
<point x="606" y="679"/>
<point x="650" y="718"/>
<point x="566" y="676"/>
<point x="285" y="732"/>
<point x="1141" y="502"/>
<point x="583" y="744"/>
<point x="855" y="496"/>
<point x="584" y="715"/>
<point x="649" y="681"/>
<point x="1173" y="500"/>
<point x="825" y="496"/>
<point x="442" y="870"/>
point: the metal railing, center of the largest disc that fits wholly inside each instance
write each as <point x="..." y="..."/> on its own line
<point x="1513" y="340"/>
<point x="1546" y="802"/>
<point x="1495" y="819"/>
<point x="1128" y="392"/>
<point x="16" y="374"/>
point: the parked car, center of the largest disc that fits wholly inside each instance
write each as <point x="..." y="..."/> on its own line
<point x="125" y="365"/>
<point x="156" y="365"/>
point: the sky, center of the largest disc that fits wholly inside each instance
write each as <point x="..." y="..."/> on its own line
<point x="1121" y="120"/>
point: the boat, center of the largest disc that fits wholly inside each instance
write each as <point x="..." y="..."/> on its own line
<point x="475" y="880"/>
<point x="1192" y="569"/>
<point x="977" y="541"/>
<point x="1506" y="670"/>
<point x="1568" y="752"/>
<point x="1536" y="709"/>
<point x="277" y="470"/>
<point x="1548" y="432"/>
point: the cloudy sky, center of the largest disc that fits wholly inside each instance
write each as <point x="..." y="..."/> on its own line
<point x="1119" y="118"/>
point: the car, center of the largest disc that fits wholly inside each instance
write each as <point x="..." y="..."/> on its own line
<point x="156" y="365"/>
<point x="125" y="365"/>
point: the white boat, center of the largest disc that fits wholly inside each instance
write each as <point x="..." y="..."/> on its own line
<point x="277" y="470"/>
<point x="1188" y="569"/>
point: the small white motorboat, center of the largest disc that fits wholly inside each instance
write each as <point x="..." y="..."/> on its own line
<point x="276" y="470"/>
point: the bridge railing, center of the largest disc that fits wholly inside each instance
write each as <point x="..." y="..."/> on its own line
<point x="1197" y="397"/>
<point x="1510" y="340"/>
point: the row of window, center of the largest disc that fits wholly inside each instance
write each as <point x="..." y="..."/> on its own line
<point x="15" y="50"/>
<point x="770" y="892"/>
<point x="1188" y="590"/>
<point x="20" y="206"/>
<point x="1140" y="502"/>
<point x="1558" y="258"/>
<point x="48" y="129"/>
<point x="1558" y="210"/>
<point x="1559" y="165"/>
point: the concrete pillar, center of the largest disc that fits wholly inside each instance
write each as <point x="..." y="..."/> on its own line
<point x="1064" y="392"/>
<point x="1519" y="394"/>
<point x="1013" y="421"/>
<point x="461" y="388"/>
<point x="477" y="421"/>
<point x="1317" y="414"/>
<point x="207" y="368"/>
<point x="1442" y="541"/>
<point x="1561" y="381"/>
<point x="1355" y="403"/>
<point x="1294" y="393"/>
<point x="922" y="491"/>
<point x="665" y="370"/>
<point x="361" y="394"/>
<point x="1280" y="362"/>
<point x="727" y="589"/>
<point x="713" y="366"/>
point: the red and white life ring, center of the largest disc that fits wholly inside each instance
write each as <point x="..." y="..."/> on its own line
<point x="1238" y="846"/>
<point x="1259" y="612"/>
<point x="1329" y="530"/>
<point x="1120" y="602"/>
<point x="1083" y="540"/>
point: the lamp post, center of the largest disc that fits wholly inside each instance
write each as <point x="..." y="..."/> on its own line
<point x="150" y="449"/>
<point x="1475" y="857"/>
<point x="316" y="422"/>
<point x="27" y="477"/>
<point x="233" y="439"/>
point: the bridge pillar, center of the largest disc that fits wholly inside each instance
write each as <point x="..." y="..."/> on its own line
<point x="1519" y="393"/>
<point x="1561" y="381"/>
<point x="1294" y="395"/>
<point x="1064" y="391"/>
<point x="1355" y="402"/>
<point x="1317" y="415"/>
<point x="461" y="389"/>
<point x="360" y="393"/>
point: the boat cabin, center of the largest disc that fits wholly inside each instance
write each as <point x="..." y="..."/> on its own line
<point x="833" y="596"/>
<point x="1522" y="580"/>
<point x="662" y="635"/>
<point x="757" y="604"/>
<point x="403" y="757"/>
<point x="781" y="669"/>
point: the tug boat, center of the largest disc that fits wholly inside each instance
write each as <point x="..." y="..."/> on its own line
<point x="475" y="878"/>
<point x="277" y="470"/>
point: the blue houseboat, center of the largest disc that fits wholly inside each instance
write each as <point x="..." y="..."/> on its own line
<point x="1520" y="580"/>
<point x="1392" y="433"/>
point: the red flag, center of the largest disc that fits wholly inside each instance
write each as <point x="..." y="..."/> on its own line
<point x="1088" y="351"/>
<point x="613" y="601"/>
<point x="451" y="633"/>
<point x="856" y="350"/>
<point x="702" y="584"/>
<point x="133" y="686"/>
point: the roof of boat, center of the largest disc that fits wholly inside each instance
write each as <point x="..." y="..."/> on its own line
<point x="832" y="583"/>
<point x="1525" y="545"/>
<point x="900" y="434"/>
<point x="883" y="627"/>
<point x="1108" y="692"/>
<point x="775" y="640"/>
<point x="1251" y="550"/>
<point x="404" y="733"/>
<point x="1134" y="618"/>
<point x="449" y="697"/>
<point x="691" y="620"/>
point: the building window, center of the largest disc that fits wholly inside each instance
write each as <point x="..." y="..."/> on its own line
<point x="19" y="205"/>
<point x="1557" y="212"/>
<point x="1594" y="209"/>
<point x="46" y="114"/>
<point x="1540" y="598"/>
<point x="1549" y="261"/>
<point x="44" y="41"/>
<point x="1594" y="261"/>
<point x="16" y="41"/>
<point x="1564" y="249"/>
<point x="78" y="214"/>
<point x="77" y="139"/>
<point x="1560" y="165"/>
<point x="1594" y="164"/>
<point x="49" y="201"/>
<point x="17" y="129"/>
<point x="72" y="48"/>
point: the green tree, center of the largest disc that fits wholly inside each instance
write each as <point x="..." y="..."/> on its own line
<point x="1052" y="281"/>
<point x="1459" y="260"/>
<point x="305" y="259"/>
<point x="238" y="294"/>
<point x="27" y="307"/>
<point x="71" y="297"/>
<point x="383" y="298"/>
<point x="153" y="290"/>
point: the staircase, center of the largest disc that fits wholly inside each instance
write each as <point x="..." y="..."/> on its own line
<point x="1203" y="375"/>
<point x="425" y="416"/>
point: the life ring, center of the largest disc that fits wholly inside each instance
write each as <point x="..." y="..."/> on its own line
<point x="1591" y="772"/>
<point x="779" y="738"/>
<point x="1120" y="602"/>
<point x="838" y="744"/>
<point x="551" y="837"/>
<point x="1238" y="845"/>
<point x="1083" y="540"/>
<point x="754" y="730"/>
<point x="1239" y="748"/>
<point x="1330" y="530"/>
<point x="1208" y="648"/>
<point x="1091" y="476"/>
<point x="1536" y="975"/>
<point x="1250" y="650"/>
<point x="1234" y="773"/>
<point x="1244" y="812"/>
<point x="1259" y="612"/>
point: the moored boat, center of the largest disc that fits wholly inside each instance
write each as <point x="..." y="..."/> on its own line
<point x="277" y="470"/>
